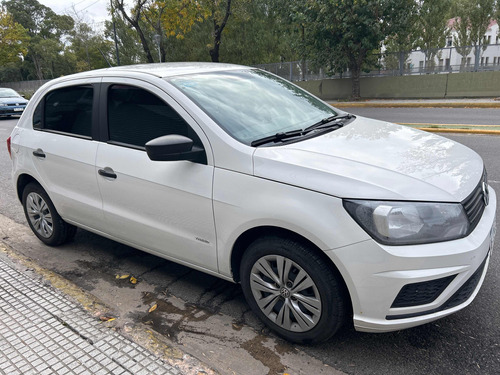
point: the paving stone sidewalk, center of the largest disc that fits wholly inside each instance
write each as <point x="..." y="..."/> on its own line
<point x="42" y="333"/>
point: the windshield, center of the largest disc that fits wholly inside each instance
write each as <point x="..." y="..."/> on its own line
<point x="252" y="104"/>
<point x="8" y="93"/>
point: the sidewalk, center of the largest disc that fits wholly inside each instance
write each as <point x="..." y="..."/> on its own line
<point x="42" y="332"/>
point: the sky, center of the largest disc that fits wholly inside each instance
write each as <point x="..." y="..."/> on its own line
<point x="93" y="12"/>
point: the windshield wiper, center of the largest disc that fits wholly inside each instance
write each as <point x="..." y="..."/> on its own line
<point x="325" y="123"/>
<point x="277" y="137"/>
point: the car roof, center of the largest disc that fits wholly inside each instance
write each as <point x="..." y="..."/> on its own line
<point x="162" y="70"/>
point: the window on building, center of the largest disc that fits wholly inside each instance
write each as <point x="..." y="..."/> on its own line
<point x="482" y="61"/>
<point x="447" y="63"/>
<point x="421" y="65"/>
<point x="487" y="39"/>
<point x="468" y="61"/>
<point x="67" y="110"/>
<point x="486" y="61"/>
<point x="494" y="61"/>
<point x="449" y="41"/>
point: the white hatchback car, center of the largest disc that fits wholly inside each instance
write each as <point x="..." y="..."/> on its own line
<point x="320" y="215"/>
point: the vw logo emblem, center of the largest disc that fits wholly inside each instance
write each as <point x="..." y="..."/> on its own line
<point x="486" y="193"/>
<point x="285" y="293"/>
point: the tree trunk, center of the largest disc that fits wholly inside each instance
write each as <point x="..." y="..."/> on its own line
<point x="134" y="22"/>
<point x="218" y="29"/>
<point x="214" y="52"/>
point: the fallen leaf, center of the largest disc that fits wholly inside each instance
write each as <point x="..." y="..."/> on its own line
<point x="153" y="308"/>
<point x="107" y="318"/>
<point x="121" y="277"/>
<point x="133" y="280"/>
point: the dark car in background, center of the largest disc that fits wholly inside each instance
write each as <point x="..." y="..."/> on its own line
<point x="11" y="103"/>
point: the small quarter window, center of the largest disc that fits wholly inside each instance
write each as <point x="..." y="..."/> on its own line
<point x="67" y="110"/>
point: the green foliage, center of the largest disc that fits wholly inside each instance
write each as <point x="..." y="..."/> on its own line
<point x="89" y="51"/>
<point x="13" y="39"/>
<point x="344" y="32"/>
<point x="472" y="18"/>
<point x="432" y="27"/>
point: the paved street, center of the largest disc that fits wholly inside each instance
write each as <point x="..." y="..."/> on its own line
<point x="471" y="116"/>
<point x="208" y="317"/>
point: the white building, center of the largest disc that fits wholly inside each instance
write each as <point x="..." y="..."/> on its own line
<point x="449" y="59"/>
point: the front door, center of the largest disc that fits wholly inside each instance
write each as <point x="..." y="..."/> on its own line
<point x="163" y="207"/>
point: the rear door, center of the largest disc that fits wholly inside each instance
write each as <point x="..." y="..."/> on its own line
<point x="164" y="207"/>
<point x="63" y="150"/>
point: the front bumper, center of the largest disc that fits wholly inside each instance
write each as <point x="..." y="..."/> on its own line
<point x="445" y="277"/>
<point x="12" y="110"/>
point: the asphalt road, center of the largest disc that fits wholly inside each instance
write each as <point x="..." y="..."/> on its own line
<point x="470" y="116"/>
<point x="467" y="342"/>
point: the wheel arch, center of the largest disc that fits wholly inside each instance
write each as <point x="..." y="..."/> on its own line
<point x="23" y="180"/>
<point x="250" y="235"/>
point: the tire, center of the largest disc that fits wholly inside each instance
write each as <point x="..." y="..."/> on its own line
<point x="279" y="303"/>
<point x="43" y="218"/>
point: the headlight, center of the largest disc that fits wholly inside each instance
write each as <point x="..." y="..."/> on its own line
<point x="408" y="223"/>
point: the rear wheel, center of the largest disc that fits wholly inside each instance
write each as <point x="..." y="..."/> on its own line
<point x="43" y="218"/>
<point x="292" y="290"/>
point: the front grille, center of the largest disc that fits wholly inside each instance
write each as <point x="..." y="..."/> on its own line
<point x="421" y="293"/>
<point x="475" y="203"/>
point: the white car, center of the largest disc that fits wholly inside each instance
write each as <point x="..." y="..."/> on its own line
<point x="321" y="216"/>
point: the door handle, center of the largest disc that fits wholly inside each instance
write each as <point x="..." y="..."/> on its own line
<point x="107" y="172"/>
<point x="39" y="153"/>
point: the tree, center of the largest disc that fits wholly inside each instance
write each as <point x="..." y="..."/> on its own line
<point x="472" y="20"/>
<point x="258" y="32"/>
<point x="220" y="12"/>
<point x="173" y="19"/>
<point x="130" y="48"/>
<point x="345" y="32"/>
<point x="46" y="29"/>
<point x="432" y="28"/>
<point x="13" y="39"/>
<point x="134" y="19"/>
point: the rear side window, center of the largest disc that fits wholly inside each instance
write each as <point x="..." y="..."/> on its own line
<point x="136" y="116"/>
<point x="67" y="110"/>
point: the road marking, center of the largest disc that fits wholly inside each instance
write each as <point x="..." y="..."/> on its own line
<point x="427" y="124"/>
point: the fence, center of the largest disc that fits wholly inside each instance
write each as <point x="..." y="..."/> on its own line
<point x="418" y="62"/>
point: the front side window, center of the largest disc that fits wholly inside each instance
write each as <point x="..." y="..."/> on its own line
<point x="136" y="116"/>
<point x="251" y="104"/>
<point x="67" y="110"/>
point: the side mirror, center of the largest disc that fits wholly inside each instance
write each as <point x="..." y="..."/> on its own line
<point x="173" y="147"/>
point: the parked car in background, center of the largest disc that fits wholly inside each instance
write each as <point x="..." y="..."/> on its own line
<point x="11" y="103"/>
<point x="322" y="216"/>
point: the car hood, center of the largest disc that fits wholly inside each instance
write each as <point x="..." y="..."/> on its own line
<point x="16" y="100"/>
<point x="372" y="159"/>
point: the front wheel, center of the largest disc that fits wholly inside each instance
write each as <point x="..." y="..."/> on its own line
<point x="292" y="290"/>
<point x="43" y="218"/>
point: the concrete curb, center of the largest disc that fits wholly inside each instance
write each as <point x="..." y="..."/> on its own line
<point x="470" y="131"/>
<point x="415" y="105"/>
